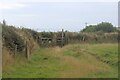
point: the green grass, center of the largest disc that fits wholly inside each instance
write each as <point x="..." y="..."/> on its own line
<point x="37" y="66"/>
<point x="76" y="60"/>
<point x="106" y="52"/>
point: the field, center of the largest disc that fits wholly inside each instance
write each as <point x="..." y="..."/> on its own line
<point x="73" y="60"/>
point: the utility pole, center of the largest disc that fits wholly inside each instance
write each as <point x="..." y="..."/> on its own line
<point x="86" y="24"/>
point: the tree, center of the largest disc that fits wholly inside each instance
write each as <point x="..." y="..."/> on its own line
<point x="101" y="27"/>
<point x="105" y="27"/>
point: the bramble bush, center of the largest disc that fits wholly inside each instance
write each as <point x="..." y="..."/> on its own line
<point x="11" y="38"/>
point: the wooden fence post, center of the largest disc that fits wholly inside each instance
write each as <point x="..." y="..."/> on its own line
<point x="62" y="42"/>
<point x="27" y="51"/>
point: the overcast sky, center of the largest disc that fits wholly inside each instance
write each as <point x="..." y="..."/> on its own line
<point x="58" y="14"/>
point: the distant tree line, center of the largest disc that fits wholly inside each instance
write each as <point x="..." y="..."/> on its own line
<point x="101" y="27"/>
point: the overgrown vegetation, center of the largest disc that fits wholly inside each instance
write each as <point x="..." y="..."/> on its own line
<point x="34" y="34"/>
<point x="101" y="33"/>
<point x="14" y="44"/>
<point x="47" y="34"/>
<point x="93" y="37"/>
<point x="11" y="38"/>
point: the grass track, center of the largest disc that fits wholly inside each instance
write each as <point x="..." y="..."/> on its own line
<point x="70" y="61"/>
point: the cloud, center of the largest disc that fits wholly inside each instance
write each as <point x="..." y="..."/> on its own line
<point x="15" y="4"/>
<point x="4" y="6"/>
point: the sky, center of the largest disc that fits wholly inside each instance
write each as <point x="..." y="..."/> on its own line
<point x="53" y="15"/>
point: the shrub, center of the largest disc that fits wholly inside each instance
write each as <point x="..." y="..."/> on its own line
<point x="11" y="38"/>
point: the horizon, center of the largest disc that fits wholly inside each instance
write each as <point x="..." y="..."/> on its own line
<point x="50" y="31"/>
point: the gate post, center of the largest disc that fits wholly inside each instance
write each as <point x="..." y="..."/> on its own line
<point x="62" y="42"/>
